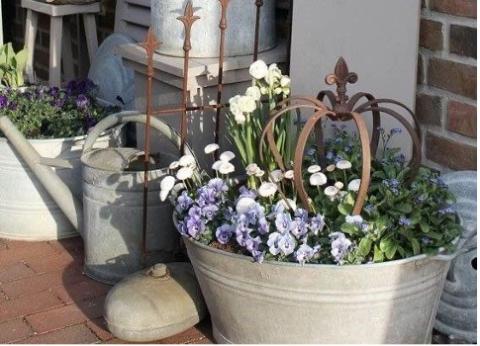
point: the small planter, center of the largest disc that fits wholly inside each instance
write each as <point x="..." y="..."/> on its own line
<point x="26" y="210"/>
<point x="273" y="302"/>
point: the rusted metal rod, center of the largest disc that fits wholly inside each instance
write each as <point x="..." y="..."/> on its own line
<point x="258" y="4"/>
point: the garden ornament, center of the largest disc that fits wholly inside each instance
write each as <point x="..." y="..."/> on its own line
<point x="155" y="303"/>
<point x="457" y="312"/>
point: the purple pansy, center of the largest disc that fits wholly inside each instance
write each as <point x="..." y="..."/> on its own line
<point x="341" y="245"/>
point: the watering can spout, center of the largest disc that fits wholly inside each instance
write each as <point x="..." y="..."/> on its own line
<point x="58" y="190"/>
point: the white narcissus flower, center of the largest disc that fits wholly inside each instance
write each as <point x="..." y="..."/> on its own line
<point x="264" y="90"/>
<point x="354" y="185"/>
<point x="226" y="168"/>
<point x="247" y="104"/>
<point x="285" y="82"/>
<point x="244" y="204"/>
<point x="166" y="185"/>
<point x="174" y="165"/>
<point x="210" y="148"/>
<point x="252" y="169"/>
<point x="331" y="191"/>
<point x="227" y="156"/>
<point x="254" y="92"/>
<point x="276" y="175"/>
<point x="278" y="91"/>
<point x="339" y="185"/>
<point x="330" y="168"/>
<point x="314" y="169"/>
<point x="289" y="174"/>
<point x="267" y="189"/>
<point x="187" y="160"/>
<point x="344" y="164"/>
<point x="184" y="173"/>
<point x="258" y="69"/>
<point x="273" y="74"/>
<point x="318" y="179"/>
<point x="240" y="118"/>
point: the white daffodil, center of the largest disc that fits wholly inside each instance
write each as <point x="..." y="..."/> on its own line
<point x="260" y="173"/>
<point x="226" y="168"/>
<point x="216" y="165"/>
<point x="339" y="185"/>
<point x="273" y="74"/>
<point x="258" y="69"/>
<point x="174" y="165"/>
<point x="289" y="174"/>
<point x="240" y="118"/>
<point x="211" y="148"/>
<point x="278" y="91"/>
<point x="233" y="102"/>
<point x="187" y="161"/>
<point x="314" y="169"/>
<point x="354" y="185"/>
<point x="330" y="168"/>
<point x="330" y="191"/>
<point x="276" y="175"/>
<point x="254" y="92"/>
<point x="227" y="156"/>
<point x="252" y="169"/>
<point x="285" y="82"/>
<point x="344" y="164"/>
<point x="264" y="90"/>
<point x="184" y="173"/>
<point x="318" y="179"/>
<point x="267" y="189"/>
<point x="247" y="104"/>
<point x="244" y="204"/>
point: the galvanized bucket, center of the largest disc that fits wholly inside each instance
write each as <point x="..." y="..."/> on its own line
<point x="113" y="206"/>
<point x="240" y="33"/>
<point x="273" y="302"/>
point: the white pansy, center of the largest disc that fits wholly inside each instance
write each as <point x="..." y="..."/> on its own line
<point x="247" y="104"/>
<point x="339" y="185"/>
<point x="314" y="169"/>
<point x="251" y="169"/>
<point x="260" y="173"/>
<point x="184" y="173"/>
<point x="267" y="189"/>
<point x="216" y="165"/>
<point x="258" y="69"/>
<point x="330" y="191"/>
<point x="276" y="175"/>
<point x="174" y="165"/>
<point x="330" y="168"/>
<point x="285" y="82"/>
<point x="354" y="185"/>
<point x="244" y="204"/>
<point x="353" y="219"/>
<point x="227" y="156"/>
<point x="226" y="168"/>
<point x="289" y="174"/>
<point x="211" y="148"/>
<point x="187" y="160"/>
<point x="254" y="92"/>
<point x="344" y="164"/>
<point x="318" y="179"/>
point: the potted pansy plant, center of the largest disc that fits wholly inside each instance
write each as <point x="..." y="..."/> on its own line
<point x="278" y="268"/>
<point x="55" y="121"/>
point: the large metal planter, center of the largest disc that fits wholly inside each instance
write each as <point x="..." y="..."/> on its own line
<point x="239" y="39"/>
<point x="392" y="302"/>
<point x="26" y="210"/>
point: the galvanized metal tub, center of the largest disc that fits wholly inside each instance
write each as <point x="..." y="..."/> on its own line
<point x="113" y="207"/>
<point x="26" y="210"/>
<point x="392" y="302"/>
<point x="205" y="36"/>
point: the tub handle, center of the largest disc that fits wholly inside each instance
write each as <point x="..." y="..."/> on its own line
<point x="136" y="117"/>
<point x="462" y="248"/>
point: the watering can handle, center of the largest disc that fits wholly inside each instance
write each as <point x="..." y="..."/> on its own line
<point x="127" y="117"/>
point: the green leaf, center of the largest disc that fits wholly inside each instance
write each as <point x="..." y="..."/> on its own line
<point x="424" y="227"/>
<point x="390" y="252"/>
<point x="415" y="246"/>
<point x="345" y="209"/>
<point x="404" y="208"/>
<point x="349" y="228"/>
<point x="377" y="254"/>
<point x="364" y="246"/>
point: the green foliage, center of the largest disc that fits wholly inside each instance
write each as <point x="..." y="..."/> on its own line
<point x="12" y="66"/>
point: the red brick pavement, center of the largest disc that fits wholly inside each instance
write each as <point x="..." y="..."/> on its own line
<point x="46" y="298"/>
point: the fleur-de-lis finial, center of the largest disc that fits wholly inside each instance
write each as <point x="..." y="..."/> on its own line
<point x="151" y="43"/>
<point x="188" y="19"/>
<point x="223" y="21"/>
<point x="341" y="77"/>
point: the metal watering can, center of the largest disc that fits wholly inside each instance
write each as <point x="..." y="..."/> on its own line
<point x="110" y="217"/>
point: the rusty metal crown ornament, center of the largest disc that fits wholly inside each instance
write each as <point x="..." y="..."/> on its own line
<point x="342" y="108"/>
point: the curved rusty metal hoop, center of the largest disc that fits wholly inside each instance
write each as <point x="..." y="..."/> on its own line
<point x="377" y="102"/>
<point x="268" y="129"/>
<point x="377" y="122"/>
<point x="366" y="158"/>
<point x="330" y="95"/>
<point x="416" y="149"/>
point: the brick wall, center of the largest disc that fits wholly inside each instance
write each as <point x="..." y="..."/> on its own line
<point x="446" y="96"/>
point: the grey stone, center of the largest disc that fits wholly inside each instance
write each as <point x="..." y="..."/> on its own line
<point x="109" y="73"/>
<point x="155" y="303"/>
<point x="457" y="313"/>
